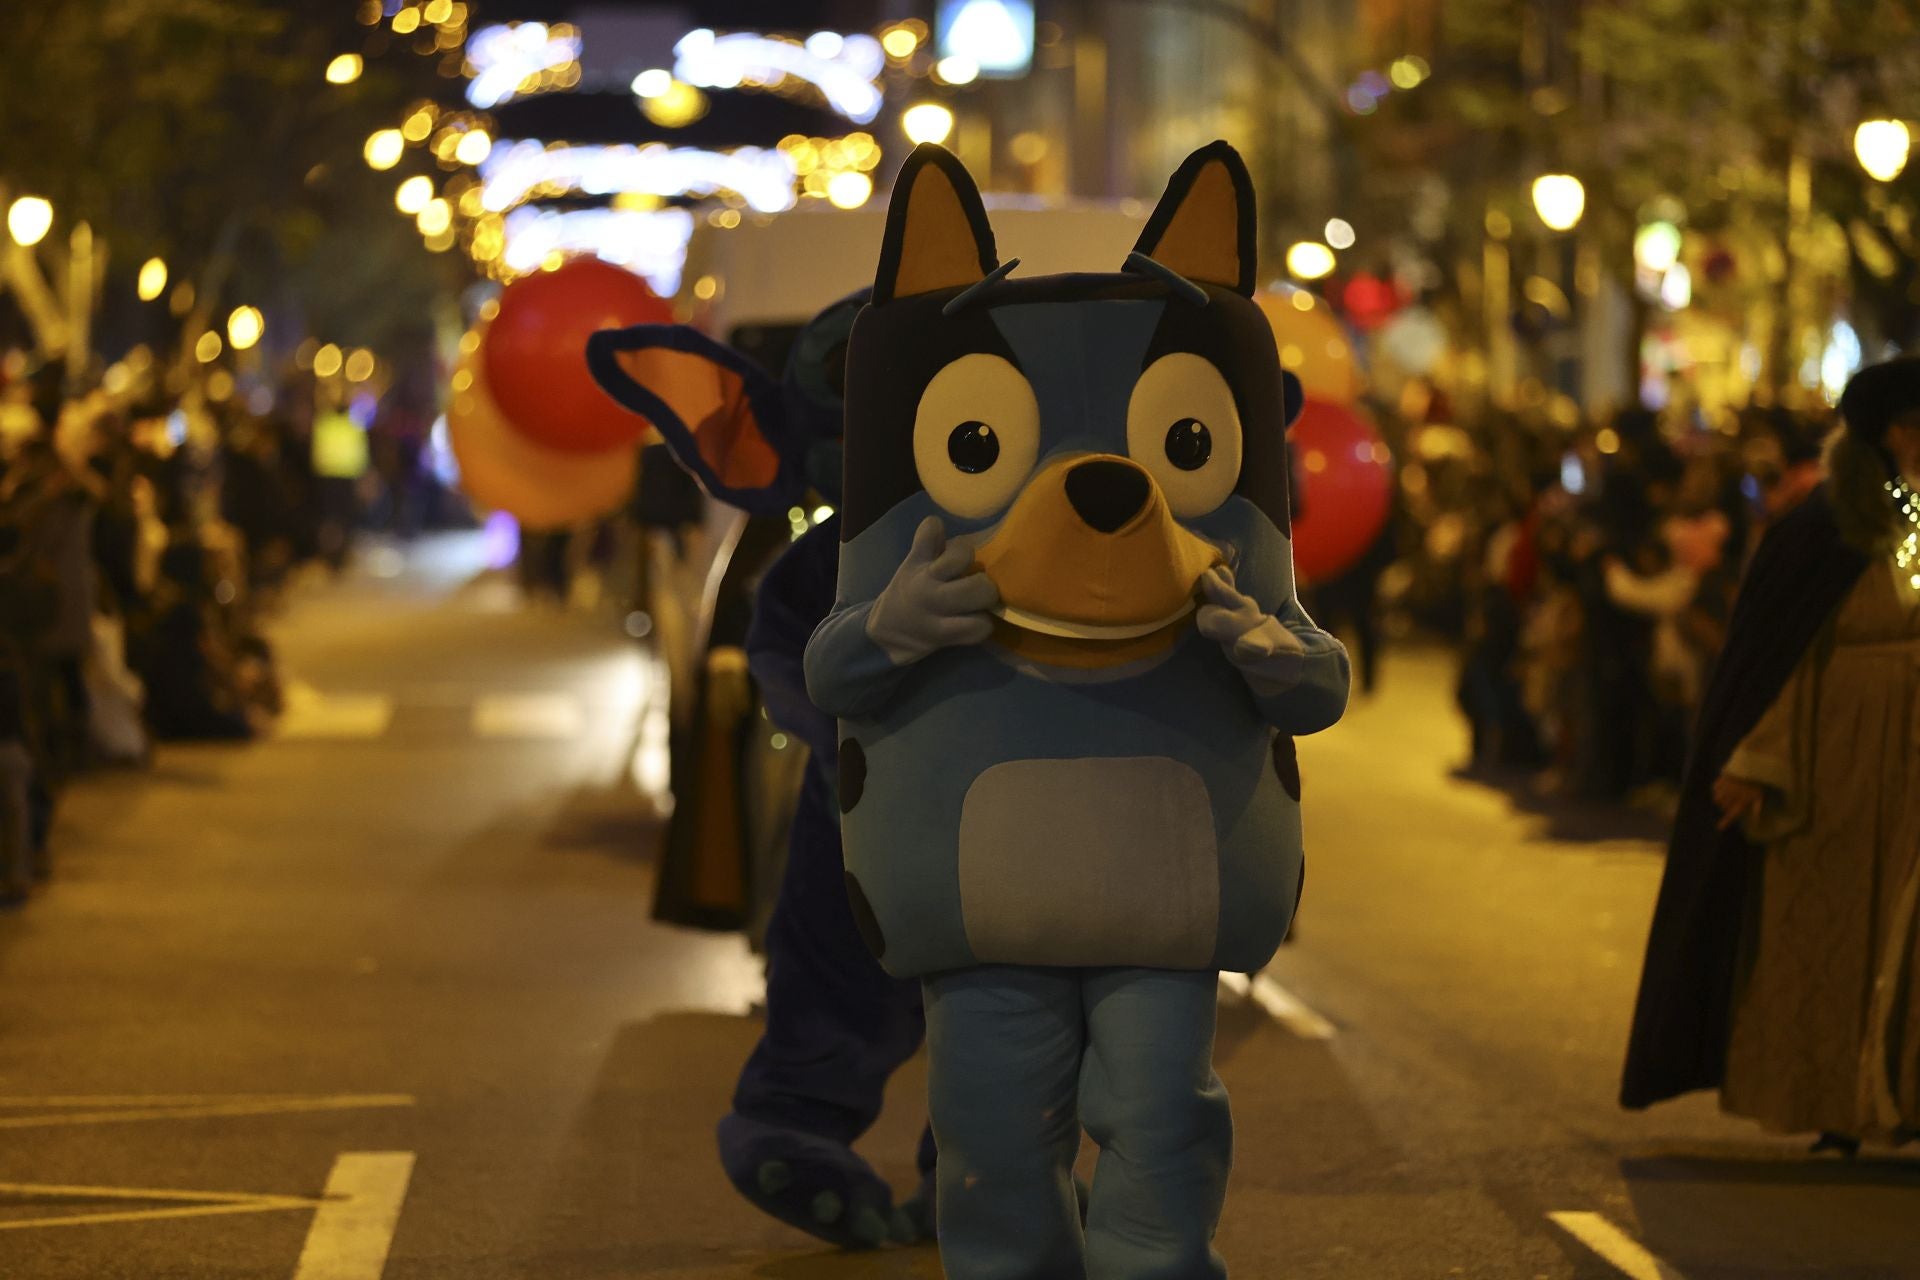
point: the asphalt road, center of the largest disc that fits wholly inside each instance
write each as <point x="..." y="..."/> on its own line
<point x="386" y="986"/>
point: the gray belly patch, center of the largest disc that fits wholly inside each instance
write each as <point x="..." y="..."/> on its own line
<point x="1090" y="862"/>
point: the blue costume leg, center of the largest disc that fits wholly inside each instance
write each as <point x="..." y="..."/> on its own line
<point x="1150" y="1099"/>
<point x="837" y="1028"/>
<point x="1004" y="1046"/>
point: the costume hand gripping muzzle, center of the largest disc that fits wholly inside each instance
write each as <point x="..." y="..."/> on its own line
<point x="1067" y="655"/>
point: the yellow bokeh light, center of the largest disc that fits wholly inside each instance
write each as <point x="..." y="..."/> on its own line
<point x="676" y="106"/>
<point x="344" y="69"/>
<point x="406" y="22"/>
<point x="469" y="343"/>
<point x="29" y="219"/>
<point x="417" y="126"/>
<point x="1309" y="260"/>
<point x="359" y="365"/>
<point x="957" y="70"/>
<point x="927" y="122"/>
<point x="326" y="361"/>
<point x="475" y="146"/>
<point x="438" y="11"/>
<point x="413" y="194"/>
<point x="900" y="41"/>
<point x="1881" y="147"/>
<point x="153" y="279"/>
<point x="849" y="189"/>
<point x="1302" y="300"/>
<point x="207" y="349"/>
<point x="1028" y="147"/>
<point x="706" y="287"/>
<point x="434" y="217"/>
<point x="384" y="148"/>
<point x="244" y="327"/>
<point x="1559" y="199"/>
<point x="441" y="241"/>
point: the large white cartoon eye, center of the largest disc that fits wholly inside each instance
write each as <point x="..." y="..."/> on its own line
<point x="1183" y="428"/>
<point x="976" y="435"/>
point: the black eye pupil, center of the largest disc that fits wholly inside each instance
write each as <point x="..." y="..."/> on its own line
<point x="1189" y="444"/>
<point x="973" y="447"/>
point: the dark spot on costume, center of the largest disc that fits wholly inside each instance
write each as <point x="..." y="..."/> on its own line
<point x="1286" y="765"/>
<point x="853" y="774"/>
<point x="863" y="918"/>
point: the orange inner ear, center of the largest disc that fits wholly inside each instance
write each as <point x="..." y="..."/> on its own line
<point x="712" y="402"/>
<point x="1202" y="242"/>
<point x="937" y="249"/>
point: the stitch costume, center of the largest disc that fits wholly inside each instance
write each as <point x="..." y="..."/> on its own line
<point x="1069" y="795"/>
<point x="837" y="1027"/>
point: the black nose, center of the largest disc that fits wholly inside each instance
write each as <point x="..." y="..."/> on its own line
<point x="1107" y="494"/>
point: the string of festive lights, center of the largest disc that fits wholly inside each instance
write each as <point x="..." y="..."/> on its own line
<point x="842" y="69"/>
<point x="520" y="171"/>
<point x="1906" y="549"/>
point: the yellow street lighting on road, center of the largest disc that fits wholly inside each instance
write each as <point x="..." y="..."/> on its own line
<point x="153" y="279"/>
<point x="384" y="148"/>
<point x="927" y="122"/>
<point x="28" y="220"/>
<point x="344" y="69"/>
<point x="1881" y="147"/>
<point x="245" y="326"/>
<point x="1310" y="260"/>
<point x="1559" y="199"/>
<point x="413" y="194"/>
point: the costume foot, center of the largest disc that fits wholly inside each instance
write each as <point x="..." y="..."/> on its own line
<point x="810" y="1183"/>
<point x="1846" y="1145"/>
<point x="914" y="1221"/>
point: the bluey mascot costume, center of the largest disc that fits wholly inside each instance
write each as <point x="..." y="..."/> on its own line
<point x="1068" y="665"/>
<point x="837" y="1026"/>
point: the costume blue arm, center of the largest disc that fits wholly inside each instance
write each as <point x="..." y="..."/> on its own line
<point x="863" y="650"/>
<point x="1298" y="674"/>
<point x="793" y="598"/>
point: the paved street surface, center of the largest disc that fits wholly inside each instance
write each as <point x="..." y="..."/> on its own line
<point x="388" y="983"/>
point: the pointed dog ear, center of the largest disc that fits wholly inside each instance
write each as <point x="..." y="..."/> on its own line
<point x="937" y="234"/>
<point x="1204" y="226"/>
<point x="722" y="416"/>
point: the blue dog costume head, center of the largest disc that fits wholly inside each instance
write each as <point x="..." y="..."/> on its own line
<point x="752" y="441"/>
<point x="1097" y="784"/>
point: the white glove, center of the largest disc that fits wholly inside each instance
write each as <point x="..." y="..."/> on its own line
<point x="935" y="600"/>
<point x="1269" y="655"/>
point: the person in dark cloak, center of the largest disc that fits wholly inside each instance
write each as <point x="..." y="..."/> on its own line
<point x="1767" y="975"/>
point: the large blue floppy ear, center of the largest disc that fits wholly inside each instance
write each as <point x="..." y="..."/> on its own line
<point x="722" y="415"/>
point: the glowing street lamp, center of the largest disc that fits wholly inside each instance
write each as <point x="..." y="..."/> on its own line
<point x="1559" y="199"/>
<point x="927" y="122"/>
<point x="153" y="279"/>
<point x="1881" y="147"/>
<point x="244" y="327"/>
<point x="1310" y="260"/>
<point x="28" y="220"/>
<point x="344" y="69"/>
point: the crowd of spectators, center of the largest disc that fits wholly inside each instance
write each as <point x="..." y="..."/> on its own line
<point x="1589" y="574"/>
<point x="142" y="535"/>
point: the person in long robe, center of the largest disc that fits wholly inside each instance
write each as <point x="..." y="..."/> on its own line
<point x="1784" y="963"/>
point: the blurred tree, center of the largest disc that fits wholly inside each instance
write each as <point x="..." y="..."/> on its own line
<point x="204" y="132"/>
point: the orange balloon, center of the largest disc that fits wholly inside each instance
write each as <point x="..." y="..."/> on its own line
<point x="502" y="469"/>
<point x="1313" y="346"/>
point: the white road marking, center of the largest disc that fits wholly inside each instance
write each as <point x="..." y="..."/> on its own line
<point x="310" y="714"/>
<point x="65" y="1111"/>
<point x="528" y="715"/>
<point x="353" y="1229"/>
<point x="1280" y="1004"/>
<point x="1621" y="1251"/>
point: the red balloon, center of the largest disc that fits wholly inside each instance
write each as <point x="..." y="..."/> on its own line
<point x="1345" y="476"/>
<point x="536" y="353"/>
